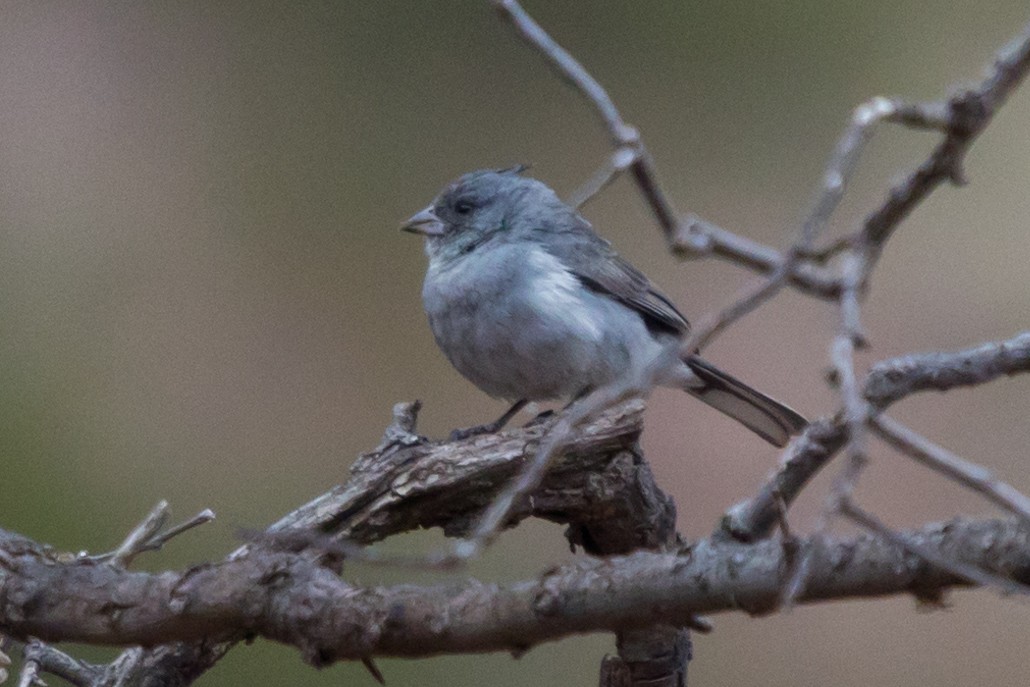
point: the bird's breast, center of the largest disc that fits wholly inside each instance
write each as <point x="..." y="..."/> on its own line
<point x="517" y="323"/>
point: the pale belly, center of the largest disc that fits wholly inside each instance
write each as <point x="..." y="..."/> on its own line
<point x="531" y="331"/>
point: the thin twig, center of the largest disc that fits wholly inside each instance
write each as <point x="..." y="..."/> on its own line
<point x="5" y="660"/>
<point x="29" y="676"/>
<point x="850" y="337"/>
<point x="403" y="427"/>
<point x="623" y="136"/>
<point x="855" y="410"/>
<point x="203" y="517"/>
<point x="56" y="662"/>
<point x="842" y="164"/>
<point x="967" y="473"/>
<point x="968" y="114"/>
<point x="616" y="164"/>
<point x="569" y="68"/>
<point x="139" y="536"/>
<point x="492" y="521"/>
<point x="756" y="518"/>
<point x="932" y="116"/>
<point x="157" y="540"/>
<point x="698" y="237"/>
<point x="891" y="380"/>
<point x="886" y="383"/>
<point x="838" y="172"/>
<point x="970" y="573"/>
<point x="745" y="301"/>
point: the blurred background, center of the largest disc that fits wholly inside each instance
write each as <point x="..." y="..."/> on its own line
<point x="204" y="296"/>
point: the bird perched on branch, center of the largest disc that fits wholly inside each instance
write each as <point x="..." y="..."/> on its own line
<point x="529" y="304"/>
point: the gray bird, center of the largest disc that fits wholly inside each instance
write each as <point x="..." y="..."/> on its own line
<point x="529" y="304"/>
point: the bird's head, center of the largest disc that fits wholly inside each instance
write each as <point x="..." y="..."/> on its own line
<point x="479" y="206"/>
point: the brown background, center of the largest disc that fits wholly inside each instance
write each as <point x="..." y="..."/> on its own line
<point x="204" y="297"/>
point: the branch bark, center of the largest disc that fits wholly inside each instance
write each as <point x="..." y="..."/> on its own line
<point x="887" y="382"/>
<point x="289" y="598"/>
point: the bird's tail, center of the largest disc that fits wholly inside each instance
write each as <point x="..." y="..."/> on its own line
<point x="764" y="416"/>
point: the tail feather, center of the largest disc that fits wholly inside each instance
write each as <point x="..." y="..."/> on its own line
<point x="764" y="416"/>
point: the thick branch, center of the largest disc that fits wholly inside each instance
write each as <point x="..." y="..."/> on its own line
<point x="412" y="483"/>
<point x="288" y="598"/>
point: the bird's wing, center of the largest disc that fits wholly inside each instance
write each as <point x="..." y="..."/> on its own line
<point x="594" y="263"/>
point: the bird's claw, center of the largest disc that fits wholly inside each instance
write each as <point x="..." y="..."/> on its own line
<point x="540" y="418"/>
<point x="469" y="432"/>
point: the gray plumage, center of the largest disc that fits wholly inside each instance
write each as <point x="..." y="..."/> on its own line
<point x="528" y="303"/>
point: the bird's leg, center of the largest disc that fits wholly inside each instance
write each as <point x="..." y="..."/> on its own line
<point x="540" y="417"/>
<point x="548" y="414"/>
<point x="583" y="392"/>
<point x="490" y="427"/>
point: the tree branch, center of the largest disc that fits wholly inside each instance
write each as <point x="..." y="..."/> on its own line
<point x="630" y="152"/>
<point x="891" y="380"/>
<point x="288" y="598"/>
<point x="967" y="115"/>
<point x="887" y="382"/>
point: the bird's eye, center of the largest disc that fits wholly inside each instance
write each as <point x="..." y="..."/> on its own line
<point x="464" y="206"/>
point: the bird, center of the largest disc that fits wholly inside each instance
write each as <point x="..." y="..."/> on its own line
<point x="529" y="303"/>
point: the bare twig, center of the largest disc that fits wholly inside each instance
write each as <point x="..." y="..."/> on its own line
<point x="932" y="116"/>
<point x="29" y="676"/>
<point x="962" y="120"/>
<point x="616" y="164"/>
<point x="156" y="540"/>
<point x="968" y="114"/>
<point x="745" y="301"/>
<point x="891" y="380"/>
<point x="203" y="517"/>
<point x="971" y="475"/>
<point x="839" y="170"/>
<point x="699" y="237"/>
<point x="971" y="573"/>
<point x="757" y="517"/>
<point x="886" y="383"/>
<point x="566" y="66"/>
<point x="139" y="536"/>
<point x="403" y="428"/>
<point x="51" y="660"/>
<point x="856" y="410"/>
<point x="556" y="438"/>
<point x="625" y="138"/>
<point x="966" y="118"/>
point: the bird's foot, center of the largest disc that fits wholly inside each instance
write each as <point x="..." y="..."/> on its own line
<point x="490" y="427"/>
<point x="540" y="419"/>
<point x="469" y="432"/>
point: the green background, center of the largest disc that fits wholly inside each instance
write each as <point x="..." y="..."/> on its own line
<point x="204" y="296"/>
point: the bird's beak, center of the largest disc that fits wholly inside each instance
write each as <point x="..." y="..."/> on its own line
<point x="424" y="222"/>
